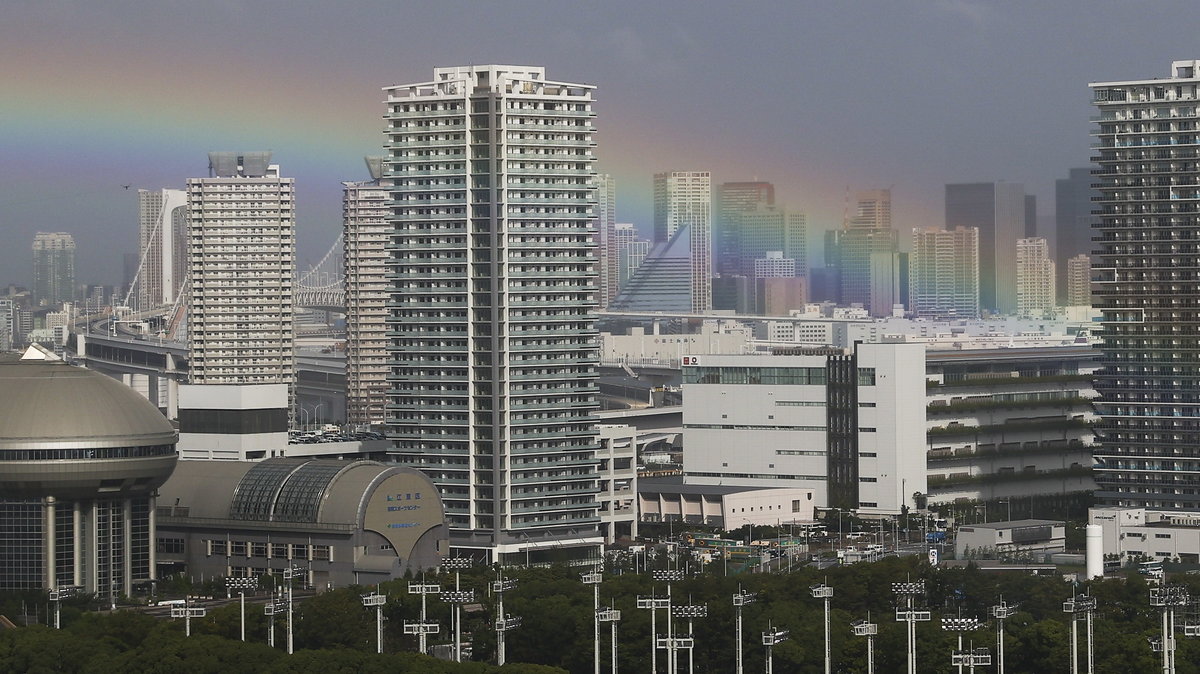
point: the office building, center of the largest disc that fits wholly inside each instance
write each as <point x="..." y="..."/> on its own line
<point x="780" y="295"/>
<point x="53" y="269"/>
<point x="241" y="259"/>
<point x="774" y="265"/>
<point x="1074" y="200"/>
<point x="865" y="251"/>
<point x="8" y="323"/>
<point x="846" y="424"/>
<point x="366" y="230"/>
<point x="766" y="229"/>
<point x="663" y="280"/>
<point x="162" y="247"/>
<point x="1079" y="281"/>
<point x="944" y="273"/>
<point x="631" y="252"/>
<point x="493" y="351"/>
<point x="610" y="245"/>
<point x="683" y="200"/>
<point x="1035" y="278"/>
<point x="998" y="211"/>
<point x="81" y="457"/>
<point x="1146" y="229"/>
<point x="732" y="199"/>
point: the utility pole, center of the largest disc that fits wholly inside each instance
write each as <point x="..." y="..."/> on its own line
<point x="187" y="612"/>
<point x="376" y="600"/>
<point x="504" y="623"/>
<point x="423" y="627"/>
<point x="277" y="606"/>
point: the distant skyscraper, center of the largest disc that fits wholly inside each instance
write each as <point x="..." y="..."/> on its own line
<point x="865" y="252"/>
<point x="684" y="199"/>
<point x="1031" y="219"/>
<point x="366" y="231"/>
<point x="8" y="321"/>
<point x="1035" y="277"/>
<point x="1146" y="228"/>
<point x="242" y="256"/>
<point x="944" y="273"/>
<point x="53" y="268"/>
<point x="1073" y="206"/>
<point x="1079" y="281"/>
<point x="998" y="211"/>
<point x="733" y="198"/>
<point x="162" y="246"/>
<point x="662" y="281"/>
<point x="493" y="334"/>
<point x="769" y="228"/>
<point x="609" y="250"/>
<point x="630" y="249"/>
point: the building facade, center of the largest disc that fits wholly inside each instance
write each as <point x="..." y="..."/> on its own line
<point x="53" y="268"/>
<point x="1079" y="281"/>
<point x="766" y="229"/>
<point x="609" y="248"/>
<point x="241" y="260"/>
<point x="366" y="230"/>
<point x="1035" y="278"/>
<point x="732" y="199"/>
<point x="997" y="210"/>
<point x="683" y="200"/>
<point x="864" y="251"/>
<point x="1145" y="233"/>
<point x="1073" y="205"/>
<point x="162" y="247"/>
<point x="944" y="273"/>
<point x="493" y="340"/>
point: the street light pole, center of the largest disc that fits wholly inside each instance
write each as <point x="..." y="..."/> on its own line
<point x="823" y="591"/>
<point x="289" y="574"/>
<point x="241" y="584"/>
<point x="740" y="600"/>
<point x="276" y="606"/>
<point x="57" y="596"/>
<point x="187" y="612"/>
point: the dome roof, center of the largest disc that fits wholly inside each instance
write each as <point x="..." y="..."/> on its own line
<point x="50" y="404"/>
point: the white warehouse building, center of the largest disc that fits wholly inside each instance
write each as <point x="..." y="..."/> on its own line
<point x="847" y="424"/>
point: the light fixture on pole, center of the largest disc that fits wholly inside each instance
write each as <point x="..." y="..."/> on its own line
<point x="823" y="591"/>
<point x="772" y="638"/>
<point x="1075" y="605"/>
<point x="277" y="606"/>
<point x="457" y="597"/>
<point x="1001" y="612"/>
<point x="57" y="596"/>
<point x="868" y="629"/>
<point x="612" y="616"/>
<point x="241" y="584"/>
<point x="1168" y="598"/>
<point x="504" y="622"/>
<point x="290" y="574"/>
<point x="423" y="627"/>
<point x="687" y="641"/>
<point x="653" y="603"/>
<point x="910" y="590"/>
<point x="187" y="612"/>
<point x="594" y="578"/>
<point x="740" y="600"/>
<point x="968" y="658"/>
<point x="376" y="601"/>
<point x="668" y="576"/>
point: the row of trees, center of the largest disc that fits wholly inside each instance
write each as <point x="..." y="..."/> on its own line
<point x="335" y="633"/>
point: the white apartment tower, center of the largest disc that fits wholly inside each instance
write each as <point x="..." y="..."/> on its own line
<point x="606" y="194"/>
<point x="684" y="199"/>
<point x="241" y="260"/>
<point x="1035" y="277"/>
<point x="493" y="340"/>
<point x="1079" y="281"/>
<point x="943" y="276"/>
<point x="162" y="247"/>
<point x="366" y="231"/>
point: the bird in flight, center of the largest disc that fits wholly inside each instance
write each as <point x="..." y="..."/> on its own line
<point x="127" y="186"/>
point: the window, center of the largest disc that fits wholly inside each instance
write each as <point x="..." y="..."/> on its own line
<point x="795" y="505"/>
<point x="217" y="548"/>
<point x="866" y="376"/>
<point x="169" y="546"/>
<point x="279" y="550"/>
<point x="237" y="548"/>
<point x="258" y="549"/>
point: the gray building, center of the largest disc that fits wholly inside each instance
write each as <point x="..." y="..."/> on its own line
<point x="53" y="268"/>
<point x="344" y="522"/>
<point x="999" y="211"/>
<point x="1073" y="204"/>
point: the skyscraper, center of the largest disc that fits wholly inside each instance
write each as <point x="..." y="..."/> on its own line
<point x="366" y="230"/>
<point x="609" y="251"/>
<point x="865" y="249"/>
<point x="998" y="211"/>
<point x="944" y="273"/>
<point x="494" y="353"/>
<point x="768" y="228"/>
<point x="1073" y="207"/>
<point x="241" y="259"/>
<point x="1146" y="227"/>
<point x="162" y="247"/>
<point x="684" y="199"/>
<point x="733" y="198"/>
<point x="1079" y="281"/>
<point x="1035" y="278"/>
<point x="53" y="268"/>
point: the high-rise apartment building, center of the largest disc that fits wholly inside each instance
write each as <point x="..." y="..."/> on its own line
<point x="865" y="252"/>
<point x="998" y="210"/>
<point x="241" y="260"/>
<point x="609" y="249"/>
<point x="494" y="344"/>
<point x="624" y="242"/>
<point x="53" y="268"/>
<point x="1035" y="278"/>
<point x="162" y="247"/>
<point x="1079" y="281"/>
<point x="771" y="228"/>
<point x="684" y="199"/>
<point x="1073" y="205"/>
<point x="944" y="273"/>
<point x="366" y="231"/>
<point x="1146" y="226"/>
<point x="733" y="198"/>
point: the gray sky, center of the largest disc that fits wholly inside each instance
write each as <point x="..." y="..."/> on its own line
<point x="813" y="96"/>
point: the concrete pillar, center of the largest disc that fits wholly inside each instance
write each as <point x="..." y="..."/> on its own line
<point x="77" y="521"/>
<point x="127" y="541"/>
<point x="153" y="522"/>
<point x="93" y="558"/>
<point x="51" y="537"/>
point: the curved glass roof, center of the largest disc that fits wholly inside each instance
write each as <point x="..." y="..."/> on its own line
<point x="254" y="497"/>
<point x="300" y="496"/>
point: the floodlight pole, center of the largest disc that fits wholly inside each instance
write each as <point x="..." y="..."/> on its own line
<point x="669" y="576"/>
<point x="594" y="579"/>
<point x="1000" y="612"/>
<point x="376" y="600"/>
<point x="612" y="616"/>
<point x="910" y="616"/>
<point x="868" y="629"/>
<point x="823" y="591"/>
<point x="241" y="584"/>
<point x="771" y="638"/>
<point x="653" y="603"/>
<point x="739" y="600"/>
<point x="457" y="598"/>
<point x="503" y="622"/>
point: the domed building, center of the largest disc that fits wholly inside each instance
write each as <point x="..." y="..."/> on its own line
<point x="81" y="459"/>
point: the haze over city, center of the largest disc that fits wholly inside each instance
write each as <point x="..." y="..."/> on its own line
<point x="815" y="97"/>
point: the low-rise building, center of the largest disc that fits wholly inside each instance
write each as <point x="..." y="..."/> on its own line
<point x="1017" y="538"/>
<point x="672" y="499"/>
<point x="1132" y="534"/>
